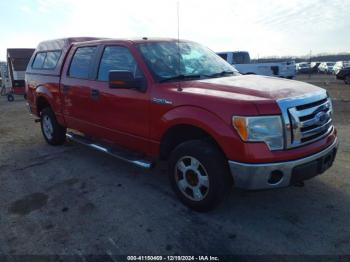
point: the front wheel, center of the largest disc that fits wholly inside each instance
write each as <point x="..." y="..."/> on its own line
<point x="199" y="175"/>
<point x="53" y="132"/>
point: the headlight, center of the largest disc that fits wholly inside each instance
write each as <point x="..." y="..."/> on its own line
<point x="266" y="129"/>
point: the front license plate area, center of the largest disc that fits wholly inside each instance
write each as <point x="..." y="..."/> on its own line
<point x="313" y="168"/>
<point x="326" y="161"/>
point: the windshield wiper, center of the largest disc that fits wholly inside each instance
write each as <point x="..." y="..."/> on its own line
<point x="222" y="73"/>
<point x="180" y="77"/>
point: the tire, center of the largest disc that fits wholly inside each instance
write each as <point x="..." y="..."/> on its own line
<point x="53" y="132"/>
<point x="10" y="98"/>
<point x="199" y="175"/>
<point x="347" y="80"/>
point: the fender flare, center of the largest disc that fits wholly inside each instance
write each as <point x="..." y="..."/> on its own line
<point x="43" y="92"/>
<point x="203" y="119"/>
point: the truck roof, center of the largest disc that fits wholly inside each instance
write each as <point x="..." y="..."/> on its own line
<point x="62" y="43"/>
<point x="131" y="40"/>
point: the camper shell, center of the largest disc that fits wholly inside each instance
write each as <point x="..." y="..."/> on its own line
<point x="61" y="47"/>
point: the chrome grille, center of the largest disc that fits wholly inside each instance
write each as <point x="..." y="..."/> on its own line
<point x="306" y="118"/>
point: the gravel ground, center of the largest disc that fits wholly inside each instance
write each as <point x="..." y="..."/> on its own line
<point x="73" y="200"/>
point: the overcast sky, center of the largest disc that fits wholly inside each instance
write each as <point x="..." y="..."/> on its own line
<point x="262" y="27"/>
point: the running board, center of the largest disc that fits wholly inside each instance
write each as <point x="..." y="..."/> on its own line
<point x="116" y="152"/>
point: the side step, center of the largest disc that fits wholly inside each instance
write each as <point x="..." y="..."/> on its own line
<point x="117" y="152"/>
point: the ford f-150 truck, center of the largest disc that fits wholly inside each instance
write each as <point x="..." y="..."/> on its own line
<point x="146" y="100"/>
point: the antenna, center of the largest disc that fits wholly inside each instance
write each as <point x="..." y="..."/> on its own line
<point x="178" y="43"/>
<point x="178" y="21"/>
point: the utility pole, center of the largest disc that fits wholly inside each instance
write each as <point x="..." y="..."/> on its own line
<point x="310" y="64"/>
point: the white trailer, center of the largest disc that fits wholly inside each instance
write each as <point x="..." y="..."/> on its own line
<point x="241" y="61"/>
<point x="17" y="61"/>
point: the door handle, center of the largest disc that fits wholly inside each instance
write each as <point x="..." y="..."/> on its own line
<point x="95" y="93"/>
<point x="65" y="88"/>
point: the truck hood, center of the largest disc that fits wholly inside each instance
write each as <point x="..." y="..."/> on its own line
<point x="249" y="87"/>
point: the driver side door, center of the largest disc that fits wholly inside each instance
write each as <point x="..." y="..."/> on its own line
<point x="122" y="115"/>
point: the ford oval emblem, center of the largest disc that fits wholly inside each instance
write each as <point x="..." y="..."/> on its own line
<point x="321" y="118"/>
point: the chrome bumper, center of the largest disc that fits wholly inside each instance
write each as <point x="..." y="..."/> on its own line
<point x="262" y="176"/>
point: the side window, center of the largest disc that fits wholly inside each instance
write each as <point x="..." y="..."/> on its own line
<point x="51" y="59"/>
<point x="223" y="56"/>
<point x="39" y="60"/>
<point x="81" y="61"/>
<point x="238" y="58"/>
<point x="117" y="58"/>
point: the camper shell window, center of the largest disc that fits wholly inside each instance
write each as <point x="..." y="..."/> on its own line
<point x="46" y="60"/>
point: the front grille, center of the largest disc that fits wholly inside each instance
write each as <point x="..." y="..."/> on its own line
<point x="306" y="119"/>
<point x="313" y="104"/>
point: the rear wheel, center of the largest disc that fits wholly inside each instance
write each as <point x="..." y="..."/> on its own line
<point x="53" y="132"/>
<point x="199" y="175"/>
<point x="347" y="80"/>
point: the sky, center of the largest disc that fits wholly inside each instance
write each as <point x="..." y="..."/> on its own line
<point x="262" y="27"/>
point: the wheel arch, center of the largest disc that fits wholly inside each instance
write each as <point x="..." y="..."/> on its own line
<point x="189" y="122"/>
<point x="43" y="99"/>
<point x="179" y="133"/>
<point x="41" y="103"/>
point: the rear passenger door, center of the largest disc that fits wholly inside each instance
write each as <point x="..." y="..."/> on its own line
<point x="75" y="88"/>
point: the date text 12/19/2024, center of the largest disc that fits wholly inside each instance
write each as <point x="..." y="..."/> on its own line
<point x="173" y="258"/>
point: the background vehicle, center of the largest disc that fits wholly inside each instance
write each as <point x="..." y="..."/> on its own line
<point x="314" y="67"/>
<point x="241" y="61"/>
<point x="148" y="99"/>
<point x="344" y="74"/>
<point x="303" y="68"/>
<point x="340" y="65"/>
<point x="326" y="67"/>
<point x="17" y="61"/>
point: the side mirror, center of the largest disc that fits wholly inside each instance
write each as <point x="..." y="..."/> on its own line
<point x="125" y="79"/>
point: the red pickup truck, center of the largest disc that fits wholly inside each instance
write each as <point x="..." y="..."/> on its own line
<point x="145" y="100"/>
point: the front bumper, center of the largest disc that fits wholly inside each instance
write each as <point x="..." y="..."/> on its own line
<point x="282" y="174"/>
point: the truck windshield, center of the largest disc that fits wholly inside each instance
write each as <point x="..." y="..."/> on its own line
<point x="183" y="60"/>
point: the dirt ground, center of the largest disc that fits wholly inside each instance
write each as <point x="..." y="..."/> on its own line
<point x="74" y="200"/>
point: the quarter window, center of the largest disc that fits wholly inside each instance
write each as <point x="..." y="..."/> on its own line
<point x="81" y="62"/>
<point x="117" y="58"/>
<point x="39" y="60"/>
<point x="46" y="60"/>
<point x="51" y="59"/>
